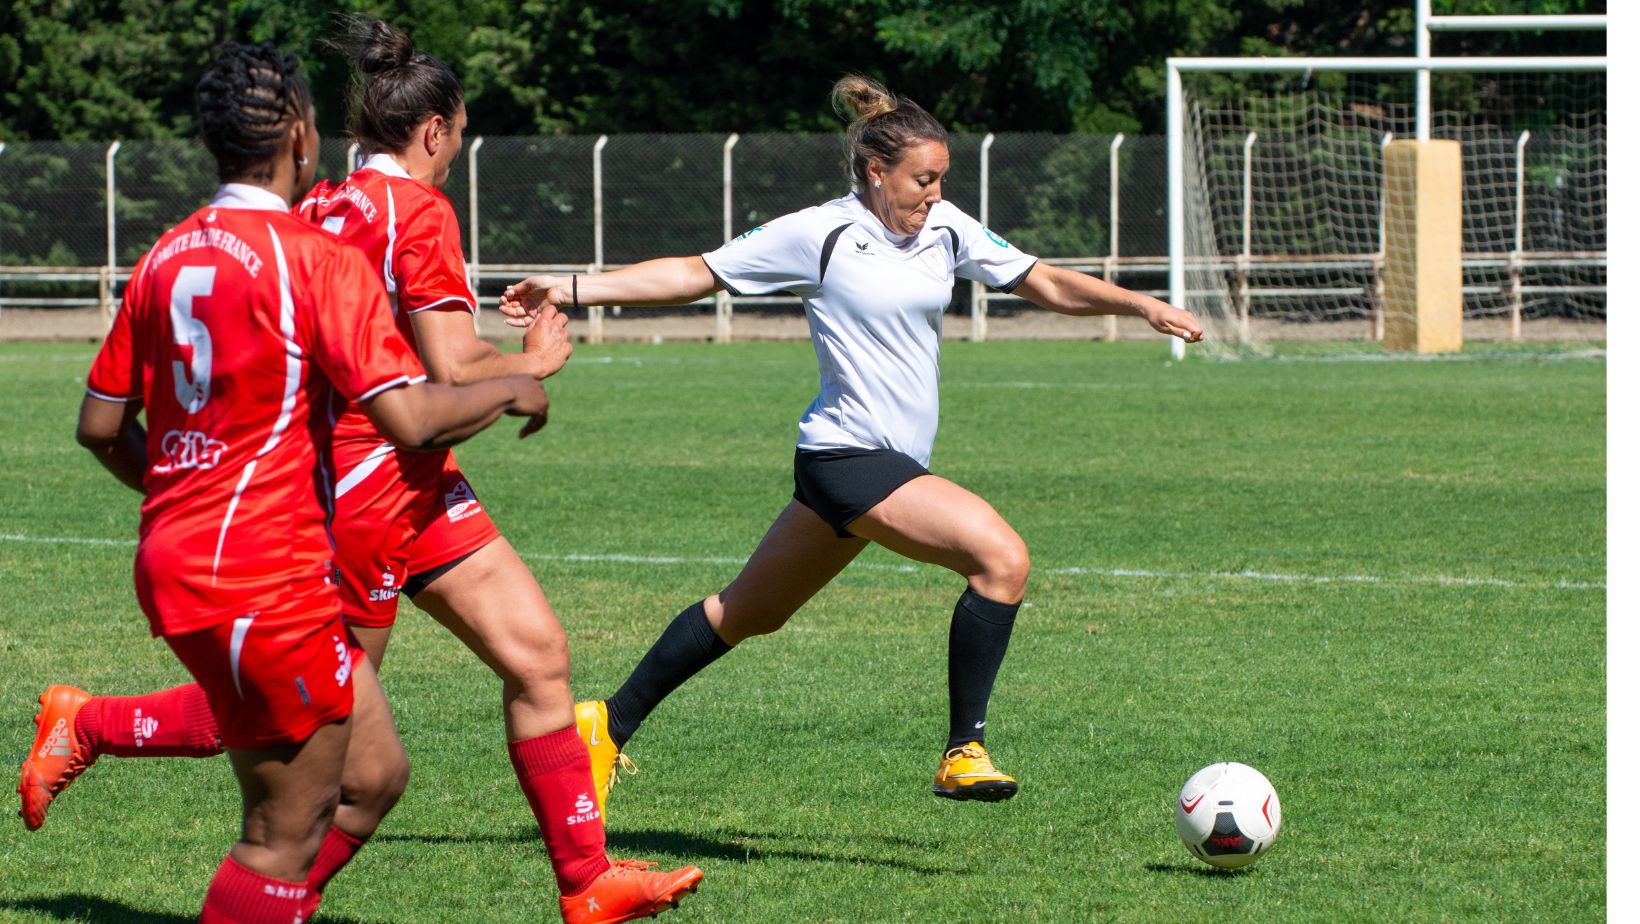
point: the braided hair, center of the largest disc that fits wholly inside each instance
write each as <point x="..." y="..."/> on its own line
<point x="245" y="101"/>
<point x="881" y="124"/>
<point x="395" y="88"/>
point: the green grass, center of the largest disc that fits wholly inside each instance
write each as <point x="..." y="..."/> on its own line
<point x="1381" y="583"/>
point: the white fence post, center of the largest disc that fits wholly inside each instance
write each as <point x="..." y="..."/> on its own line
<point x="107" y="286"/>
<point x="1244" y="265"/>
<point x="595" y="313"/>
<point x="725" y="307"/>
<point x="1376" y="296"/>
<point x="352" y="159"/>
<point x="1175" y="197"/>
<point x="1520" y="236"/>
<point x="977" y="308"/>
<point x="474" y="273"/>
<point x="1115" y="223"/>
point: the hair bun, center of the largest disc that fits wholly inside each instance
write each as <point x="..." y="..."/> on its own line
<point x="377" y="46"/>
<point x="859" y="98"/>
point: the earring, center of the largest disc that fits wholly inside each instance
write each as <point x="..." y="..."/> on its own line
<point x="301" y="161"/>
<point x="878" y="184"/>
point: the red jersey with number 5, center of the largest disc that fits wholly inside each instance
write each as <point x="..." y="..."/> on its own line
<point x="236" y="332"/>
<point x="408" y="231"/>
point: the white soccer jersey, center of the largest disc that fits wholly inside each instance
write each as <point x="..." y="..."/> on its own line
<point x="875" y="301"/>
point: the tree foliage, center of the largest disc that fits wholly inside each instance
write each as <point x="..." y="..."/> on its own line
<point x="72" y="69"/>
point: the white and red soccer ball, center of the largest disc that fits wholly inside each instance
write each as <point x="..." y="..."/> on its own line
<point x="1228" y="815"/>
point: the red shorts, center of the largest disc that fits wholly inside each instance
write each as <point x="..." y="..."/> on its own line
<point x="398" y="514"/>
<point x="275" y="676"/>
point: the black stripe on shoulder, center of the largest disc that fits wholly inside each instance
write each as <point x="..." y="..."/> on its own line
<point x="956" y="242"/>
<point x="726" y="287"/>
<point x="1011" y="286"/>
<point x="827" y="247"/>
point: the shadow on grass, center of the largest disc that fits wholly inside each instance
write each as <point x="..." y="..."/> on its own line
<point x="521" y="836"/>
<point x="733" y="846"/>
<point x="1194" y="869"/>
<point x="99" y="910"/>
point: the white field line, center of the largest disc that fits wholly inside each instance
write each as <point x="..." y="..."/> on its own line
<point x="1249" y="575"/>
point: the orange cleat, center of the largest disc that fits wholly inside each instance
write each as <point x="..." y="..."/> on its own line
<point x="58" y="755"/>
<point x="628" y="891"/>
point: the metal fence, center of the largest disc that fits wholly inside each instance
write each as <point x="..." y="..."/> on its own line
<point x="75" y="216"/>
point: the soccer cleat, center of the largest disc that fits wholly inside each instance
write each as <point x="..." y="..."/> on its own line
<point x="628" y="891"/>
<point x="967" y="773"/>
<point x="58" y="755"/>
<point x="592" y="723"/>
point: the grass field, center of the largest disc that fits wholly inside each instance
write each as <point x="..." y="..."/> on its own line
<point x="1381" y="583"/>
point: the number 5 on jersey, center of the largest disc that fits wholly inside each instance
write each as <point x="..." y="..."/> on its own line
<point x="192" y="373"/>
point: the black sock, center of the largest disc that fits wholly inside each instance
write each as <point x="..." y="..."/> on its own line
<point x="682" y="651"/>
<point x="979" y="638"/>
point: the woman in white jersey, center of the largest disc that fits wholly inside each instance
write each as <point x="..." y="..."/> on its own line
<point x="875" y="271"/>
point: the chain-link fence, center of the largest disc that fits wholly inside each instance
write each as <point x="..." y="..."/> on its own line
<point x="578" y="203"/>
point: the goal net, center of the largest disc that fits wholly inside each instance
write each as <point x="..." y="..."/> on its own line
<point x="1285" y="207"/>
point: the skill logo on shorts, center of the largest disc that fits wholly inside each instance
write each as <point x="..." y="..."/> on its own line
<point x="388" y="591"/>
<point x="460" y="502"/>
<point x="344" y="661"/>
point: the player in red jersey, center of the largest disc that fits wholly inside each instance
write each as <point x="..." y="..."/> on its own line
<point x="409" y="522"/>
<point x="238" y="331"/>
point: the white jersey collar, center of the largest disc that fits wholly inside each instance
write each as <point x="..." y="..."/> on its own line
<point x="386" y="165"/>
<point x="246" y="196"/>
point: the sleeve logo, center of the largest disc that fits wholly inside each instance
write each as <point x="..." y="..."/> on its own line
<point x="994" y="238"/>
<point x="746" y="234"/>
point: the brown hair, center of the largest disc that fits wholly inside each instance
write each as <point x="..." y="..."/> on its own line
<point x="245" y="100"/>
<point x="881" y="125"/>
<point x="395" y="88"/>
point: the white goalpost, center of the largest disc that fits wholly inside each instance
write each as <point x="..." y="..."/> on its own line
<point x="1281" y="212"/>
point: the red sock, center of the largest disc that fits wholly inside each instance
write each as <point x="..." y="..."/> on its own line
<point x="241" y="896"/>
<point x="170" y="723"/>
<point x="338" y="848"/>
<point x="556" y="775"/>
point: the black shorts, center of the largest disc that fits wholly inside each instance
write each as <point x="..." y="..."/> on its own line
<point x="842" y="484"/>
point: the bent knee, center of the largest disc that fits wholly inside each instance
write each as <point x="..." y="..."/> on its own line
<point x="1005" y="568"/>
<point x="378" y="781"/>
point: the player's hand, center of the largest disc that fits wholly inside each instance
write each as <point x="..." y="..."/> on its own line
<point x="529" y="400"/>
<point x="1175" y="322"/>
<point x="547" y="340"/>
<point x="524" y="299"/>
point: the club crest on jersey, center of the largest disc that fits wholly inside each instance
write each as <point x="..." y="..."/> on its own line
<point x="460" y="502"/>
<point x="995" y="239"/>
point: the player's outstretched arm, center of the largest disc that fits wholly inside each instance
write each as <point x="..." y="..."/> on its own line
<point x="1069" y="292"/>
<point x="453" y="354"/>
<point x="431" y="416"/>
<point x="666" y="281"/>
<point x="111" y="430"/>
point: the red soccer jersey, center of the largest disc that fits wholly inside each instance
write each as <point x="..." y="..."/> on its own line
<point x="236" y="330"/>
<point x="408" y="231"/>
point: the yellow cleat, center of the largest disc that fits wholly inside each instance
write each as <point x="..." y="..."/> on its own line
<point x="967" y="773"/>
<point x="592" y="722"/>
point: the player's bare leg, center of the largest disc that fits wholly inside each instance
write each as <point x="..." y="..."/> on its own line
<point x="798" y="555"/>
<point x="934" y="520"/>
<point x="492" y="602"/>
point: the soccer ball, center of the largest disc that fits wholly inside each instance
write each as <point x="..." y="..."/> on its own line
<point x="1228" y="815"/>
